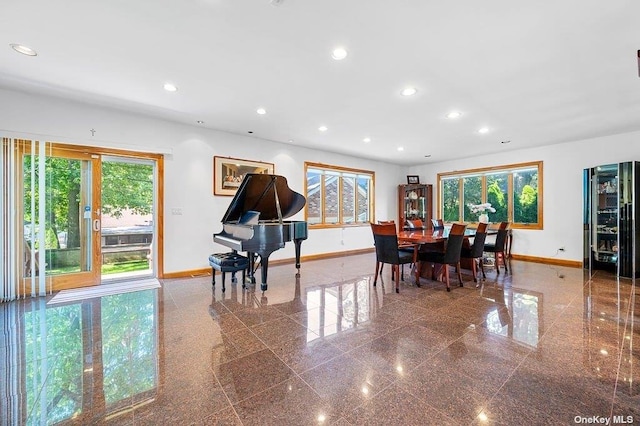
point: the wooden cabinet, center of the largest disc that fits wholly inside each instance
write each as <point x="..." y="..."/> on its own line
<point x="415" y="202"/>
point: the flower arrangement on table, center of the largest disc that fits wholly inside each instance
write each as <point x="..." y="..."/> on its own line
<point x="482" y="209"/>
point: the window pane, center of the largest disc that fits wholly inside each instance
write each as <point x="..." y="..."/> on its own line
<point x="472" y="194"/>
<point x="363" y="198"/>
<point x="451" y="200"/>
<point x="314" y="201"/>
<point x="498" y="196"/>
<point x="525" y="196"/>
<point x="336" y="195"/>
<point x="348" y="199"/>
<point x="512" y="191"/>
<point x="332" y="203"/>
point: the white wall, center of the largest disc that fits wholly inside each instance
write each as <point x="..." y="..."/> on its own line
<point x="189" y="152"/>
<point x="563" y="171"/>
<point x="189" y="169"/>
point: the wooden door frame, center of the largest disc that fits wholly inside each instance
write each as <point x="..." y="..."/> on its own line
<point x="90" y="152"/>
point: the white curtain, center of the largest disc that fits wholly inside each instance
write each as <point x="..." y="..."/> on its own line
<point x="19" y="238"/>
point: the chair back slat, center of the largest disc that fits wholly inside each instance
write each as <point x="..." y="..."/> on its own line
<point x="501" y="239"/>
<point x="454" y="244"/>
<point x="387" y="248"/>
<point x="383" y="228"/>
<point x="386" y="242"/>
<point x="457" y="229"/>
<point x="478" y="244"/>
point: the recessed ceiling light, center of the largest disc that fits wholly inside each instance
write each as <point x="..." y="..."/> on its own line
<point x="170" y="87"/>
<point x="454" y="114"/>
<point x="323" y="128"/>
<point x="339" y="53"/>
<point x="261" y="111"/>
<point x="250" y="131"/>
<point x="400" y="148"/>
<point x="409" y="91"/>
<point x="290" y="140"/>
<point x="23" y="49"/>
<point x="366" y="140"/>
<point x="427" y="156"/>
<point x="483" y="130"/>
<point x="200" y="122"/>
<point x="505" y="142"/>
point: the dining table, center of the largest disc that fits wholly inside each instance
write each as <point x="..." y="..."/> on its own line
<point x="438" y="236"/>
<point x="435" y="240"/>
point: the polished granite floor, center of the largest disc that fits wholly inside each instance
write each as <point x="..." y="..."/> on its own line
<point x="541" y="345"/>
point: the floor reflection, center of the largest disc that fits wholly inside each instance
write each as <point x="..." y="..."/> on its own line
<point x="82" y="361"/>
<point x="539" y="345"/>
<point x="610" y="332"/>
<point x="517" y="314"/>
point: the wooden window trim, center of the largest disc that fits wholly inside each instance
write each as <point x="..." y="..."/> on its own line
<point x="311" y="165"/>
<point x="509" y="168"/>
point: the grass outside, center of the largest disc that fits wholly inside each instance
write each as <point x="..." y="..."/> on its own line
<point x="111" y="268"/>
<point x="122" y="267"/>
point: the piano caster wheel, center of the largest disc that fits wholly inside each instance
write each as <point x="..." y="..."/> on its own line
<point x="263" y="287"/>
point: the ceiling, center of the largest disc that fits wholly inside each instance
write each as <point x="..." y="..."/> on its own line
<point x="533" y="73"/>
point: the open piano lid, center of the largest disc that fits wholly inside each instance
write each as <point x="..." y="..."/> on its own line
<point x="257" y="193"/>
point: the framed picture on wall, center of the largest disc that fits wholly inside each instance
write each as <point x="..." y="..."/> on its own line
<point x="413" y="179"/>
<point x="228" y="173"/>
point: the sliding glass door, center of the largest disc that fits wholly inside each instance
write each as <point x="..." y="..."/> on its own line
<point x="127" y="217"/>
<point x="74" y="216"/>
<point x="60" y="217"/>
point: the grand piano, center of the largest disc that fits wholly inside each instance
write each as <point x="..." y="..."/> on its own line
<point x="254" y="221"/>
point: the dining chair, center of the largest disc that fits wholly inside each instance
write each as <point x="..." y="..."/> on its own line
<point x="451" y="254"/>
<point x="412" y="224"/>
<point x="476" y="251"/>
<point x="388" y="250"/>
<point x="498" y="247"/>
<point x="386" y="222"/>
<point x="437" y="223"/>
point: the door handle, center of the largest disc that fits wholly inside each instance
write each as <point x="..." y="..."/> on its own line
<point x="96" y="225"/>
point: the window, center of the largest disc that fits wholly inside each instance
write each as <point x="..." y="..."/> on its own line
<point x="338" y="195"/>
<point x="514" y="191"/>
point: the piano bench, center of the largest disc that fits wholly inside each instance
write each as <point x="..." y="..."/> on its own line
<point x="228" y="262"/>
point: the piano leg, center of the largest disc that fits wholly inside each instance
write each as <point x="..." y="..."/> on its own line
<point x="252" y="267"/>
<point x="264" y="264"/>
<point x="298" y="243"/>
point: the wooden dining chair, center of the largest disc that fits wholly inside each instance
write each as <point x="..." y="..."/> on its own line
<point x="451" y="254"/>
<point x="413" y="224"/>
<point x="476" y="251"/>
<point x="498" y="247"/>
<point x="386" y="222"/>
<point x="388" y="250"/>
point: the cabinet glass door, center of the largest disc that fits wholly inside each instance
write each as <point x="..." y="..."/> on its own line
<point x="605" y="211"/>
